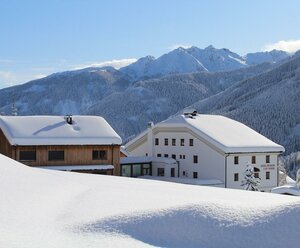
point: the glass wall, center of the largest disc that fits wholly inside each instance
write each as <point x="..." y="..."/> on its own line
<point x="126" y="171"/>
<point x="136" y="170"/>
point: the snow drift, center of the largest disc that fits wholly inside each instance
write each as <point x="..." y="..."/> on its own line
<point x="41" y="208"/>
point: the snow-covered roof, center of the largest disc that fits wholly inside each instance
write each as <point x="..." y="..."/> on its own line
<point x="287" y="189"/>
<point x="226" y="134"/>
<point x="145" y="159"/>
<point x="77" y="167"/>
<point x="54" y="130"/>
<point x="123" y="150"/>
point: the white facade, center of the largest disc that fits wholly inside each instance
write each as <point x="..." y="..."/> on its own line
<point x="204" y="156"/>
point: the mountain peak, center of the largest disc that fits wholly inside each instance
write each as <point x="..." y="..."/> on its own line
<point x="210" y="47"/>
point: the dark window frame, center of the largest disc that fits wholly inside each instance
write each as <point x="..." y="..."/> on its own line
<point x="267" y="159"/>
<point x="181" y="142"/>
<point x="195" y="174"/>
<point x="156" y="141"/>
<point x="236" y="159"/>
<point x="161" y="172"/>
<point x="98" y="155"/>
<point x="173" y="142"/>
<point x="26" y="153"/>
<point x="268" y="175"/>
<point x="56" y="155"/>
<point x="166" y="142"/>
<point x="195" y="159"/>
<point x="236" y="177"/>
<point x="191" y="142"/>
<point x="253" y="159"/>
<point x="172" y="172"/>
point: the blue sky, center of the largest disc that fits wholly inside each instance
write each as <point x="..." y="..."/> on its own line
<point x="39" y="37"/>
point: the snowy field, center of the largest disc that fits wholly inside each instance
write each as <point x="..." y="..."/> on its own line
<point x="43" y="208"/>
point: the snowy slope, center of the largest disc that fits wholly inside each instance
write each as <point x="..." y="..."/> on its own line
<point x="156" y="99"/>
<point x="261" y="57"/>
<point x="41" y="208"/>
<point x="217" y="59"/>
<point x="174" y="62"/>
<point x="65" y="92"/>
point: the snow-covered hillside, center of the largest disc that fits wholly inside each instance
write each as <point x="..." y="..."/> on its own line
<point x="156" y="99"/>
<point x="65" y="92"/>
<point x="41" y="208"/>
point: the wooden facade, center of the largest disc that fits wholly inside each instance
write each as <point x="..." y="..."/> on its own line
<point x="73" y="154"/>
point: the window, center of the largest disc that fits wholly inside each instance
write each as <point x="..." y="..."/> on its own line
<point x="253" y="160"/>
<point x="172" y="172"/>
<point x="146" y="154"/>
<point x="156" y="141"/>
<point x="183" y="173"/>
<point x="27" y="155"/>
<point x="195" y="174"/>
<point x="166" y="142"/>
<point x="268" y="159"/>
<point x="56" y="155"/>
<point x="158" y="155"/>
<point x="173" y="142"/>
<point x="268" y="175"/>
<point x="182" y="142"/>
<point x="136" y="170"/>
<point x="99" y="155"/>
<point x="236" y="159"/>
<point x="256" y="172"/>
<point x="160" y="172"/>
<point x="195" y="159"/>
<point x="191" y="142"/>
<point x="183" y="156"/>
<point x="174" y="156"/>
<point x="236" y="177"/>
<point x="166" y="155"/>
<point x="146" y="170"/>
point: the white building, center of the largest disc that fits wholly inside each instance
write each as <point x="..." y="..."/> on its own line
<point x="210" y="147"/>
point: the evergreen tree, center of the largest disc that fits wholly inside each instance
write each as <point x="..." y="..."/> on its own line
<point x="250" y="182"/>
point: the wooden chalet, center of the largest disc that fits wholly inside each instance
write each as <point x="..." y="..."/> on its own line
<point x="71" y="143"/>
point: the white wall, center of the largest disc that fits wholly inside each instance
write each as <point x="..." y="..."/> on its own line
<point x="211" y="164"/>
<point x="265" y="185"/>
<point x="140" y="150"/>
<point x="167" y="167"/>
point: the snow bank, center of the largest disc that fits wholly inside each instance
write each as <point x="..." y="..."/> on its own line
<point x="46" y="208"/>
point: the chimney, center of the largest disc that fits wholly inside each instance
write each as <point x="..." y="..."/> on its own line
<point x="69" y="119"/>
<point x="190" y="113"/>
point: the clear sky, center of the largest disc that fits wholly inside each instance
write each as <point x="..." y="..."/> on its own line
<point x="39" y="37"/>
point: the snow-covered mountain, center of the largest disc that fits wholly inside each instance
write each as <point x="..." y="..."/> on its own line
<point x="65" y="92"/>
<point x="156" y="99"/>
<point x="261" y="57"/>
<point x="174" y="62"/>
<point x="217" y="59"/>
<point x="194" y="59"/>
